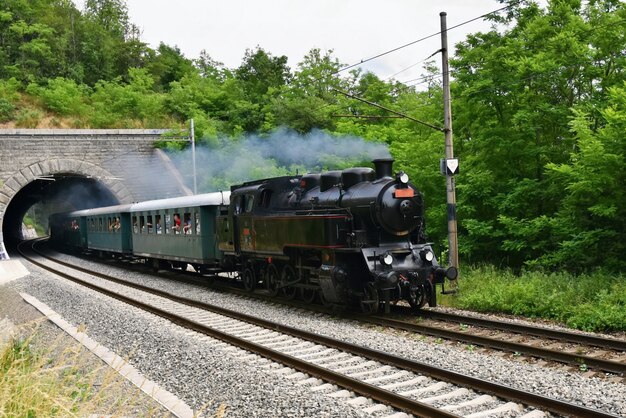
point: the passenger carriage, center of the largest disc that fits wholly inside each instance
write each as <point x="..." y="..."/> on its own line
<point x="179" y="231"/>
<point x="68" y="230"/>
<point x="107" y="229"/>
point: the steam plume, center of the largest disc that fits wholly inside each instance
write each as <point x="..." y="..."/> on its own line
<point x="284" y="152"/>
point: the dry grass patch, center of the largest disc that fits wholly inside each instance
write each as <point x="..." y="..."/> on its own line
<point x="42" y="378"/>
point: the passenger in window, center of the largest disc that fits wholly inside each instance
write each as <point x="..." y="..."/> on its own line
<point x="187" y="227"/>
<point x="176" y="226"/>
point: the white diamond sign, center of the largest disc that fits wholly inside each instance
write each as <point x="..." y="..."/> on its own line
<point x="452" y="166"/>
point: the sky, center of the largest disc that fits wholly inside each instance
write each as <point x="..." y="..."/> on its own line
<point x="354" y="29"/>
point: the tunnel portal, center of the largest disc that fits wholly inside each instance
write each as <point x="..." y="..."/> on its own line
<point x="60" y="192"/>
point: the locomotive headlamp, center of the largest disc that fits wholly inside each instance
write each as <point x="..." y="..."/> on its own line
<point x="402" y="177"/>
<point x="387" y="259"/>
<point x="428" y="255"/>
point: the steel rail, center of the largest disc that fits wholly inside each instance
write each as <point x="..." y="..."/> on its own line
<point x="561" y="356"/>
<point x="565" y="336"/>
<point x="528" y="398"/>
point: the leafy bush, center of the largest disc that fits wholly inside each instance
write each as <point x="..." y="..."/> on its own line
<point x="9" y="89"/>
<point x="7" y="110"/>
<point x="124" y="105"/>
<point x="62" y="96"/>
<point x="592" y="302"/>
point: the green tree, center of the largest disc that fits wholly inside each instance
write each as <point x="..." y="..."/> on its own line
<point x="306" y="102"/>
<point x="514" y="94"/>
<point x="261" y="77"/>
<point x="167" y="64"/>
<point x="590" y="225"/>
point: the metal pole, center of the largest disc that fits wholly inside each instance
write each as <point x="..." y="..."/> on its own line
<point x="193" y="157"/>
<point x="447" y="114"/>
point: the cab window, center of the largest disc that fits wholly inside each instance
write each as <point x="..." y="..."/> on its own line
<point x="249" y="203"/>
<point x="266" y="195"/>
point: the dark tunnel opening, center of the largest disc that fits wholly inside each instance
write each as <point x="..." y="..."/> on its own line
<point x="52" y="194"/>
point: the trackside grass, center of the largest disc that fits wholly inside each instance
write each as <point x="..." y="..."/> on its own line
<point x="40" y="378"/>
<point x="590" y="302"/>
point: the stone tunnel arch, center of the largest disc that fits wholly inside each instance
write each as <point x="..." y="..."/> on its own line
<point x="18" y="193"/>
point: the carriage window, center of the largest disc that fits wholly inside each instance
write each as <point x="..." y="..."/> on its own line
<point x="196" y="217"/>
<point x="168" y="223"/>
<point x="99" y="224"/>
<point x="135" y="227"/>
<point x="150" y="226"/>
<point x="249" y="203"/>
<point x="157" y="224"/>
<point x="187" y="226"/>
<point x="176" y="227"/>
<point x="110" y="224"/>
<point x="142" y="225"/>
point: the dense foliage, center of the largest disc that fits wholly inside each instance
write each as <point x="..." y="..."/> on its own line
<point x="539" y="106"/>
<point x="591" y="302"/>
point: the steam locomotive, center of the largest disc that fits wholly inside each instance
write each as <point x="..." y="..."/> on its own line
<point x="351" y="237"/>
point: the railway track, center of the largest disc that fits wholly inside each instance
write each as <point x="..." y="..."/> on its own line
<point x="584" y="356"/>
<point x="580" y="351"/>
<point x="586" y="353"/>
<point x="402" y="383"/>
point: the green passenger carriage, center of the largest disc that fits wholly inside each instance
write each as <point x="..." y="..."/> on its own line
<point x="179" y="230"/>
<point x="107" y="229"/>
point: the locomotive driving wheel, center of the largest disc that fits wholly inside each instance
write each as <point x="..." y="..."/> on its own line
<point x="289" y="276"/>
<point x="249" y="279"/>
<point x="369" y="300"/>
<point x="308" y="294"/>
<point x="273" y="279"/>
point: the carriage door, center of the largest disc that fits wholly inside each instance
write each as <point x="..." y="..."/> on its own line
<point x="237" y="210"/>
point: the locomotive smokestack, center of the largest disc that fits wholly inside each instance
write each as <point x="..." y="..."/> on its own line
<point x="383" y="167"/>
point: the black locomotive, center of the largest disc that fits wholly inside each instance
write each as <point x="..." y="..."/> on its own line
<point x="355" y="235"/>
<point x="351" y="237"/>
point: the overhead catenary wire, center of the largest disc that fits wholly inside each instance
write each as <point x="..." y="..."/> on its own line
<point x="363" y="61"/>
<point x="360" y="99"/>
<point x="432" y="77"/>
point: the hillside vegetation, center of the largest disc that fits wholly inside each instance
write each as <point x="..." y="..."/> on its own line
<point x="539" y="106"/>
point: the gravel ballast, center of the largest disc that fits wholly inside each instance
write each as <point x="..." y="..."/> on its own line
<point x="204" y="374"/>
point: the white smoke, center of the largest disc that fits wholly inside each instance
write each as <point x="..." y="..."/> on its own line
<point x="284" y="152"/>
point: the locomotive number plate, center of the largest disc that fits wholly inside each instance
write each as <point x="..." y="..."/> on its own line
<point x="401" y="193"/>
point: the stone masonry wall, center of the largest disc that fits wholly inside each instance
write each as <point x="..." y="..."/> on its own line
<point x="124" y="160"/>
